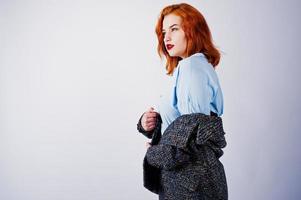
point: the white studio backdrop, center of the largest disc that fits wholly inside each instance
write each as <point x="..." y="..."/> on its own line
<point x="75" y="76"/>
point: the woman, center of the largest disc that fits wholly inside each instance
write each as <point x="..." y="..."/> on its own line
<point x="184" y="39"/>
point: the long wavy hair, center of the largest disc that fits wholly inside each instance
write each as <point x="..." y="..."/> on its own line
<point x="197" y="33"/>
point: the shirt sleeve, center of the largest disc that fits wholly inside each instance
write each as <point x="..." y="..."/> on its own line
<point x="201" y="88"/>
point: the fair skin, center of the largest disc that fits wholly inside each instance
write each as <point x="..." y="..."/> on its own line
<point x="174" y="37"/>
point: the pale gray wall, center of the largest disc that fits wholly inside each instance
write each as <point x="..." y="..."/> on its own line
<point x="76" y="75"/>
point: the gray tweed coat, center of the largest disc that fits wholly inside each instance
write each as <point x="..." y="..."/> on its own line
<point x="183" y="163"/>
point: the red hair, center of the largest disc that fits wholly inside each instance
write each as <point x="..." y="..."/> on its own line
<point x="197" y="33"/>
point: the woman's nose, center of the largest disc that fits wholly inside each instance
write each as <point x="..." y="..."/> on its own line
<point x="167" y="37"/>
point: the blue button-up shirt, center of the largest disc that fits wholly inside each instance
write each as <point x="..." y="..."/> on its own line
<point x="196" y="89"/>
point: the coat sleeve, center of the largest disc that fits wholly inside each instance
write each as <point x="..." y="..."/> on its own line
<point x="166" y="156"/>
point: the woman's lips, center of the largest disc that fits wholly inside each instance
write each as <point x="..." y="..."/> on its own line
<point x="169" y="46"/>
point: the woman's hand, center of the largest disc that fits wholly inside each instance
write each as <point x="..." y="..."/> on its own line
<point x="148" y="120"/>
<point x="148" y="145"/>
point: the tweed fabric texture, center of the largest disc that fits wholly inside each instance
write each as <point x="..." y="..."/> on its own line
<point x="188" y="159"/>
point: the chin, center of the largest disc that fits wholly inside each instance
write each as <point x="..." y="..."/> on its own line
<point x="171" y="54"/>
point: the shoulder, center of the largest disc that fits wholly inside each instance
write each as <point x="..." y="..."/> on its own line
<point x="196" y="66"/>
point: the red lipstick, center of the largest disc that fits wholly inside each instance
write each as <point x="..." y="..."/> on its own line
<point x="169" y="46"/>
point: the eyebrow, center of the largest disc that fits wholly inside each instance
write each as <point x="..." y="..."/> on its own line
<point x="171" y="26"/>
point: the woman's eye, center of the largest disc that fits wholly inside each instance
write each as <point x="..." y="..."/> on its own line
<point x="174" y="29"/>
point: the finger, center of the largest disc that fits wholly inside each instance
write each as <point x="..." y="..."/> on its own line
<point x="149" y="120"/>
<point x="151" y="114"/>
<point x="150" y="124"/>
<point x="151" y="127"/>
